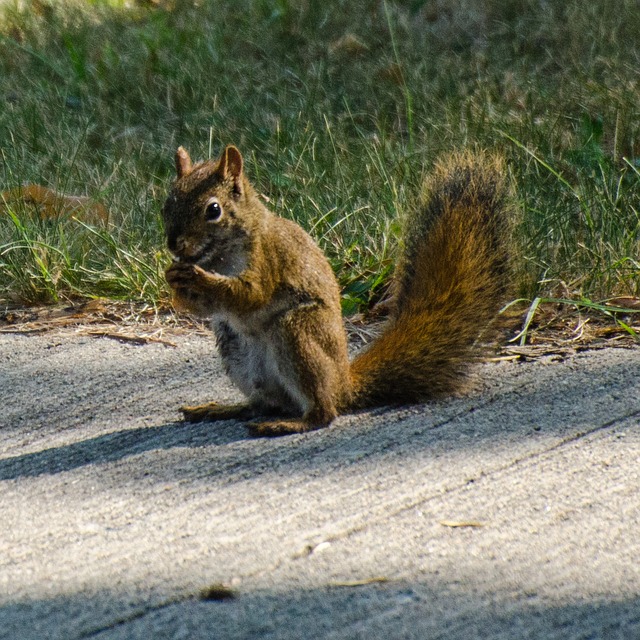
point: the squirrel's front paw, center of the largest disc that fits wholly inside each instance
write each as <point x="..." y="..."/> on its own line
<point x="182" y="275"/>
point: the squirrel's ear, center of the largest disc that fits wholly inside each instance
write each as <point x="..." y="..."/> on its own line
<point x="231" y="163"/>
<point x="183" y="162"/>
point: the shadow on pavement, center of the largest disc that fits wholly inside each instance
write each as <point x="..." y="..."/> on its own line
<point x="395" y="609"/>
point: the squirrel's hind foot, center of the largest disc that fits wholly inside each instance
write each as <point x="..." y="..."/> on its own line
<point x="284" y="427"/>
<point x="275" y="428"/>
<point x="212" y="411"/>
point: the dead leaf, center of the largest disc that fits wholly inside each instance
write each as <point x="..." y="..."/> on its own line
<point x="349" y="44"/>
<point x="624" y="302"/>
<point x="48" y="203"/>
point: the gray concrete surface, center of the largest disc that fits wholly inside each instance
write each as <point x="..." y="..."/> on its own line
<point x="115" y="515"/>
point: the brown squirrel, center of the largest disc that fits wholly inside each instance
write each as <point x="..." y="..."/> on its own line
<point x="274" y="301"/>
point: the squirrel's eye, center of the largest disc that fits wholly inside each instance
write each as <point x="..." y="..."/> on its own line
<point x="213" y="210"/>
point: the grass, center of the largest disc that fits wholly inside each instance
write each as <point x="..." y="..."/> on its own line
<point x="339" y="108"/>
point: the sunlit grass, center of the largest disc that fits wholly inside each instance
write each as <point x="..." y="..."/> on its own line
<point x="339" y="109"/>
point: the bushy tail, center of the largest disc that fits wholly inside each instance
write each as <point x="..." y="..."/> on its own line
<point x="449" y="285"/>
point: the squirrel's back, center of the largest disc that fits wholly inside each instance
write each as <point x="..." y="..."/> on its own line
<point x="449" y="285"/>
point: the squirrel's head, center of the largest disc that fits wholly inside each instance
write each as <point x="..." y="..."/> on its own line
<point x="210" y="212"/>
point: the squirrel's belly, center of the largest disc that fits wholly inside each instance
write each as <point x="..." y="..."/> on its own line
<point x="254" y="365"/>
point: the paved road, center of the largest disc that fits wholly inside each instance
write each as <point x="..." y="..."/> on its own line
<point x="115" y="516"/>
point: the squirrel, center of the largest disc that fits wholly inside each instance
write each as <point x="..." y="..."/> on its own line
<point x="274" y="301"/>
